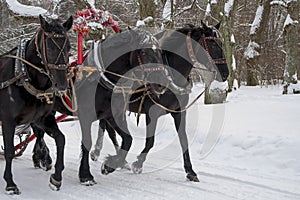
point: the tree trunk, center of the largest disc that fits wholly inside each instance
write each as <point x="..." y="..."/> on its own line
<point x="227" y="31"/>
<point x="147" y="8"/>
<point x="252" y="53"/>
<point x="229" y="44"/>
<point x="291" y="37"/>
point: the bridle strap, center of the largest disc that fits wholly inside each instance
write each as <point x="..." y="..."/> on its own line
<point x="43" y="48"/>
<point x="217" y="61"/>
<point x="192" y="55"/>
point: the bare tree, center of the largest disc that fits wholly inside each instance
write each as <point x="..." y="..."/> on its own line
<point x="291" y="37"/>
<point x="253" y="50"/>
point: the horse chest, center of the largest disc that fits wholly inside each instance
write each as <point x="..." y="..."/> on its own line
<point x="22" y="107"/>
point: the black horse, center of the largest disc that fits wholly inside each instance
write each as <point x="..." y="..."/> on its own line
<point x="122" y="59"/>
<point x="182" y="52"/>
<point x="30" y="79"/>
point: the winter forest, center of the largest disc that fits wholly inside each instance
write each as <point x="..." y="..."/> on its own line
<point x="261" y="37"/>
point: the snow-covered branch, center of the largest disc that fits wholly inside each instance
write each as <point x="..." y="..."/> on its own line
<point x="186" y="8"/>
<point x="25" y="10"/>
<point x="228" y="7"/>
<point x="257" y="19"/>
<point x="289" y="21"/>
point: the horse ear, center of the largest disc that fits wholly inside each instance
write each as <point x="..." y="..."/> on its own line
<point x="43" y="22"/>
<point x="68" y="24"/>
<point x="218" y="25"/>
<point x="203" y="25"/>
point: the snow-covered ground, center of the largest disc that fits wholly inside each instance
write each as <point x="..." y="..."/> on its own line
<point x="256" y="157"/>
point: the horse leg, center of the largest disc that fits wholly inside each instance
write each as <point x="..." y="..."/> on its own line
<point x="180" y="124"/>
<point x="41" y="155"/>
<point x="99" y="143"/>
<point x="112" y="135"/>
<point x="137" y="166"/>
<point x="51" y="128"/>
<point x="85" y="176"/>
<point x="113" y="162"/>
<point x="8" y="132"/>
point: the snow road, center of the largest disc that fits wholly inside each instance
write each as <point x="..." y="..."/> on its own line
<point x="256" y="156"/>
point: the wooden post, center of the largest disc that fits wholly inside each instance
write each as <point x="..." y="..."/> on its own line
<point x="79" y="48"/>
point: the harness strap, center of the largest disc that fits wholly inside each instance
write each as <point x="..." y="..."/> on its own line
<point x="11" y="81"/>
<point x="39" y="94"/>
<point x="176" y="111"/>
<point x="28" y="63"/>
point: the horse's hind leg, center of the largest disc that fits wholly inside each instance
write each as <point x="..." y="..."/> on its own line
<point x="180" y="123"/>
<point x="112" y="135"/>
<point x="137" y="166"/>
<point x="41" y="155"/>
<point x="103" y="125"/>
<point x="51" y="128"/>
<point x="113" y="162"/>
<point x="9" y="153"/>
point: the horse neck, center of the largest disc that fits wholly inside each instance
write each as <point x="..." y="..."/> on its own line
<point x="119" y="66"/>
<point x="180" y="67"/>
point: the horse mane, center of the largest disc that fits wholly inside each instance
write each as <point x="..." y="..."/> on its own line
<point x="125" y="42"/>
<point x="137" y="38"/>
<point x="177" y="37"/>
<point x="11" y="52"/>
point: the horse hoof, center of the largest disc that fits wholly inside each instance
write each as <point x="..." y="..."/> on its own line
<point x="193" y="178"/>
<point x="94" y="156"/>
<point x="45" y="166"/>
<point x="54" y="184"/>
<point x="87" y="181"/>
<point x="12" y="190"/>
<point x="136" y="169"/>
<point x="36" y="165"/>
<point x="126" y="166"/>
<point x="105" y="170"/>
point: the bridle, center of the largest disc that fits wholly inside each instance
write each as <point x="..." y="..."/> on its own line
<point x="203" y="41"/>
<point x="41" y="47"/>
<point x="42" y="52"/>
<point x="142" y="65"/>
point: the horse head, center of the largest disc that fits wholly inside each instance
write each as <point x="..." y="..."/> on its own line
<point x="200" y="48"/>
<point x="211" y="40"/>
<point x="52" y="46"/>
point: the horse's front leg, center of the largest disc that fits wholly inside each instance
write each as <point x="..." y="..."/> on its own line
<point x="180" y="123"/>
<point x="85" y="176"/>
<point x="113" y="162"/>
<point x="41" y="156"/>
<point x="51" y="128"/>
<point x="151" y="122"/>
<point x="8" y="132"/>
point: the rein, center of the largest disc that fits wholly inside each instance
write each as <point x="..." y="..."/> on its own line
<point x="70" y="100"/>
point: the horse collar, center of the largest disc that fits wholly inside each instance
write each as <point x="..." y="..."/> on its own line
<point x="20" y="66"/>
